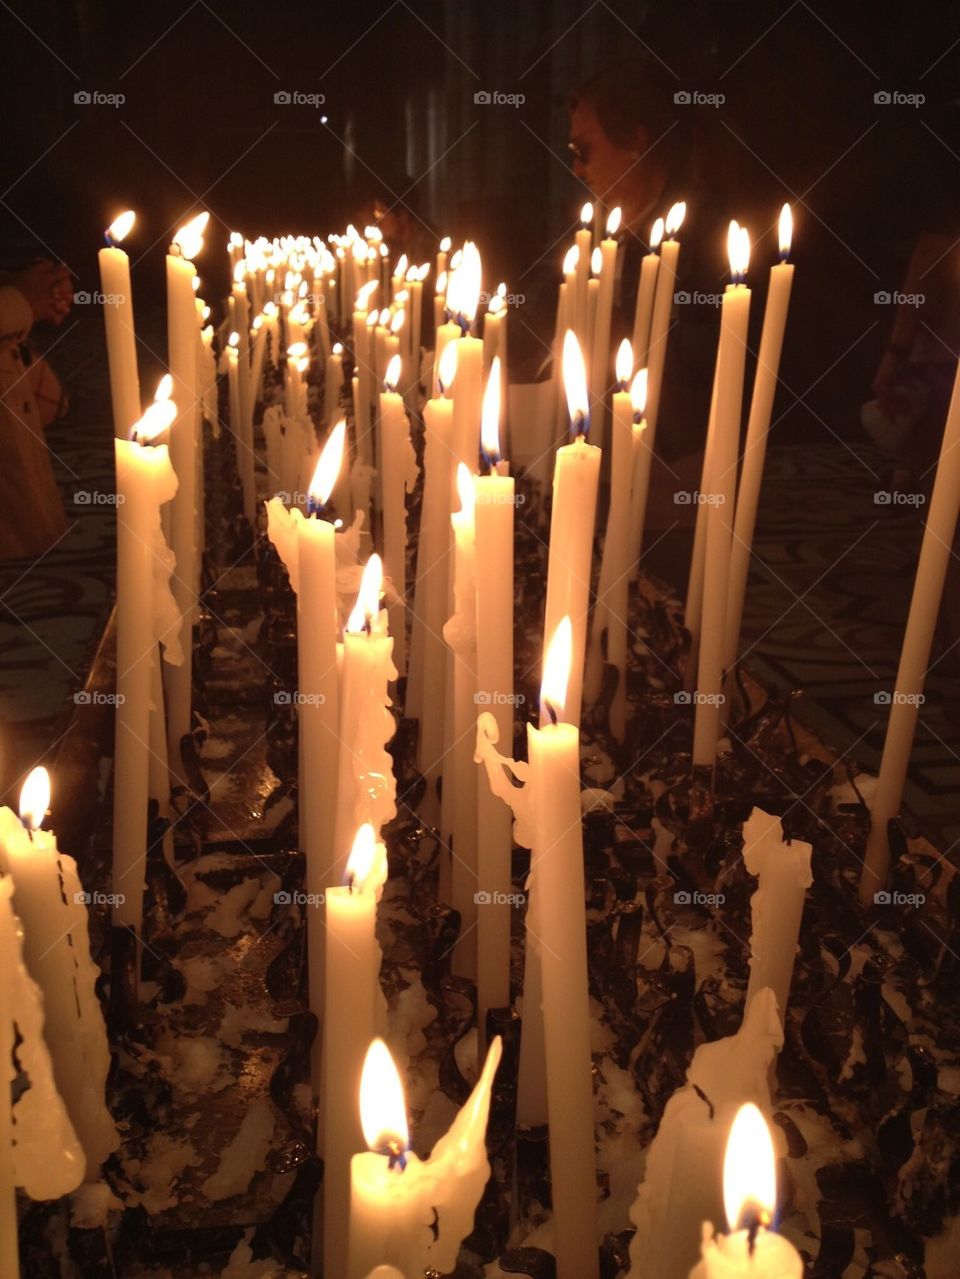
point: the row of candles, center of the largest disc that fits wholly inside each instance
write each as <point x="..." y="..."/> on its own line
<point x="546" y="807"/>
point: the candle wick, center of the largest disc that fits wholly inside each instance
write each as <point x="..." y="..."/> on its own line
<point x="396" y="1154"/>
<point x="551" y="712"/>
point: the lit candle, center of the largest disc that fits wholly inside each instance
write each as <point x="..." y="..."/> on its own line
<point x="367" y="788"/>
<point x="442" y="252"/>
<point x="468" y="386"/>
<point x="333" y="383"/>
<point x="731" y="356"/>
<point x="584" y="243"/>
<point x="119" y="325"/>
<point x="145" y="480"/>
<point x="51" y="904"/>
<point x="352" y="1005"/>
<point x="783" y="869"/>
<point x="242" y="444"/>
<point x="758" y="427"/>
<point x="182" y="358"/>
<point x="460" y="633"/>
<point x="363" y="369"/>
<point x="751" y="1250"/>
<point x="405" y="1211"/>
<point x="575" y="480"/>
<point x="643" y="311"/>
<point x="600" y="348"/>
<point x="399" y="474"/>
<point x="241" y="322"/>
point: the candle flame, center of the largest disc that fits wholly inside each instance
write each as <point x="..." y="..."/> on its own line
<point x="786" y="230"/>
<point x="465" y="492"/>
<point x="368" y="599"/>
<point x="328" y="465"/>
<point x="364" y="294"/>
<point x="239" y="271"/>
<point x="613" y="221"/>
<point x="575" y="384"/>
<point x="189" y="239"/>
<point x="674" y="219"/>
<point x="120" y="227"/>
<point x="738" y="250"/>
<point x="749" y="1169"/>
<point x="556" y="668"/>
<point x="400" y="269"/>
<point x="586" y="213"/>
<point x="455" y="260"/>
<point x="397" y="323"/>
<point x="490" y="416"/>
<point x="337" y="348"/>
<point x="570" y="259"/>
<point x="624" y="362"/>
<point x="158" y="417"/>
<point x="35" y="798"/>
<point x="596" y="261"/>
<point x="423" y="270"/>
<point x="373" y="319"/>
<point x="495" y="305"/>
<point x="392" y="376"/>
<point x="638" y="393"/>
<point x="447" y="368"/>
<point x="656" y="235"/>
<point x="445" y="244"/>
<point x="233" y="340"/>
<point x="296" y="350"/>
<point x="463" y="290"/>
<point x="384" y="317"/>
<point x="411" y="275"/>
<point x="383" y="1107"/>
<point x="442" y="282"/>
<point x="362" y="857"/>
<point x="164" y="388"/>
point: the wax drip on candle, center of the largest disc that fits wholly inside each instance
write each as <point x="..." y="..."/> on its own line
<point x="490" y="417"/>
<point x="326" y="472"/>
<point x="785" y="232"/>
<point x="119" y="228"/>
<point x="575" y="384"/>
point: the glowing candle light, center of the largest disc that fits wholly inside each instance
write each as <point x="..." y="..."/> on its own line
<point x="119" y="325"/>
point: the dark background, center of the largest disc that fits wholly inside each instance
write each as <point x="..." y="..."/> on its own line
<point x="200" y="128"/>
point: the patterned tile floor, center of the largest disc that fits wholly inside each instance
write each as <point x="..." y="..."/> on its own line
<point x="826" y="605"/>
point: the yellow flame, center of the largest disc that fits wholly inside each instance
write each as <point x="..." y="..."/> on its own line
<point x="364" y="293"/>
<point x="239" y="271"/>
<point x="384" y="317"/>
<point x="442" y="282"/>
<point x="495" y="305"/>
<point x="367" y="606"/>
<point x="383" y="1107"/>
<point x="445" y="244"/>
<point x="749" y="1167"/>
<point x="400" y="269"/>
<point x="613" y="221"/>
<point x="447" y="369"/>
<point x="423" y="270"/>
<point x="624" y="362"/>
<point x="490" y="415"/>
<point x="656" y="234"/>
<point x="120" y="227"/>
<point x="570" y="259"/>
<point x="738" y="250"/>
<point x="556" y="667"/>
<point x="164" y="388"/>
<point x="35" y="798"/>
<point x="465" y="491"/>
<point x="157" y="418"/>
<point x="392" y="376"/>
<point x="786" y="230"/>
<point x="362" y="857"/>
<point x="455" y="260"/>
<point x="328" y="465"/>
<point x="337" y="348"/>
<point x="397" y="323"/>
<point x="189" y="239"/>
<point x="575" y="379"/>
<point x="638" y="393"/>
<point x="373" y="318"/>
<point x="411" y="274"/>
<point x="466" y="283"/>
<point x="675" y="216"/>
<point x="596" y="261"/>
<point x="586" y="213"/>
<point x="296" y="350"/>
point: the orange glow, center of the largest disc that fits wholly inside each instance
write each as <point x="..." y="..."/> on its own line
<point x="328" y="465"/>
<point x="367" y="607"/>
<point x="383" y="1107"/>
<point x="120" y="227"/>
<point x="490" y="415"/>
<point x="556" y="668"/>
<point x="749" y="1168"/>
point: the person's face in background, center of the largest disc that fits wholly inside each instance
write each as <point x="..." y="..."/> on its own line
<point x="615" y="174"/>
<point x="389" y="221"/>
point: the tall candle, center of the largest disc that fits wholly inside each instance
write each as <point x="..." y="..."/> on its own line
<point x="332" y="383"/>
<point x="145" y="480"/>
<point x="643" y="312"/>
<point x="51" y="905"/>
<point x="758" y="426"/>
<point x="600" y="351"/>
<point x="468" y="386"/>
<point x="119" y="325"/>
<point x="405" y="1211"/>
<point x="9" y="1239"/>
<point x="734" y="319"/>
<point x="460" y="633"/>
<point x="182" y="356"/>
<point x="352" y="1002"/>
<point x="494" y="515"/>
<point x="243" y="449"/>
<point x="399" y="475"/>
<point x="584" y="243"/>
<point x="576" y="477"/>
